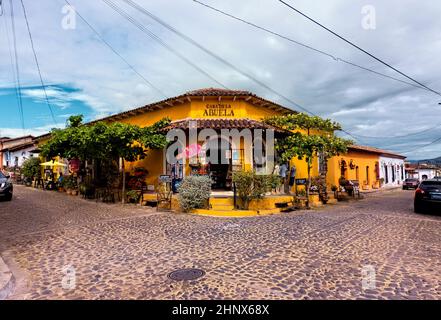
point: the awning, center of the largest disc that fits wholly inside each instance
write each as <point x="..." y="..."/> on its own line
<point x="53" y="164"/>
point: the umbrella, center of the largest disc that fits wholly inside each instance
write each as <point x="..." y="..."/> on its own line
<point x="52" y="164"/>
<point x="190" y="151"/>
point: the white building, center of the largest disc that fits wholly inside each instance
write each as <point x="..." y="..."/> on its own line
<point x="422" y="172"/>
<point x="15" y="156"/>
<point x="392" y="169"/>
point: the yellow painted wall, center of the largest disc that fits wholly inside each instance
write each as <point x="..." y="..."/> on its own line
<point x="360" y="159"/>
<point x="196" y="108"/>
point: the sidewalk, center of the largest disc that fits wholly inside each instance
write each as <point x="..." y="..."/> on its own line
<point x="385" y="189"/>
<point x="7" y="280"/>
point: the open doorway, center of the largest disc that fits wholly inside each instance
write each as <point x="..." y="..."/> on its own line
<point x="219" y="154"/>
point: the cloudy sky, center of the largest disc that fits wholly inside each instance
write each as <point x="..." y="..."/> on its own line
<point x="85" y="76"/>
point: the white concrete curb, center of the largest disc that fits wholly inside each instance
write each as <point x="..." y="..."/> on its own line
<point x="7" y="280"/>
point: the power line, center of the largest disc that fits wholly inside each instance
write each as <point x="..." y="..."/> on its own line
<point x="37" y="64"/>
<point x="359" y="48"/>
<point x="215" y="56"/>
<point x="327" y="54"/>
<point x="402" y="136"/>
<point x="423" y="146"/>
<point x="210" y="53"/>
<point x="116" y="52"/>
<point x="11" y="59"/>
<point x="17" y="67"/>
<point x="323" y="53"/>
<point x="159" y="40"/>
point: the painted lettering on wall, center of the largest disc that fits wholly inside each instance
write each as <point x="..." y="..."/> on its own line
<point x="218" y="110"/>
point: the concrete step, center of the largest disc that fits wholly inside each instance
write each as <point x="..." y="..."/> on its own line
<point x="222" y="207"/>
<point x="221" y="201"/>
<point x="235" y="213"/>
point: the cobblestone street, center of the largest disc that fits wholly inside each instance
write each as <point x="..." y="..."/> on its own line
<point x="126" y="252"/>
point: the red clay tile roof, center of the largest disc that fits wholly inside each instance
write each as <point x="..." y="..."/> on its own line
<point x="217" y="92"/>
<point x="222" y="123"/>
<point x="377" y="151"/>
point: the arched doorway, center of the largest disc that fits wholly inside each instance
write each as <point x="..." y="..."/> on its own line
<point x="343" y="169"/>
<point x="218" y="153"/>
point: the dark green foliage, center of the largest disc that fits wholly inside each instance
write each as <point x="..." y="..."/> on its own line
<point x="31" y="168"/>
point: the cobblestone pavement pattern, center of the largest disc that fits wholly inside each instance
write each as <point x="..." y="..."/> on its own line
<point x="127" y="252"/>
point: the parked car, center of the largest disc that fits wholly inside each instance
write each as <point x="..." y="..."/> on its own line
<point x="428" y="197"/>
<point x="410" y="183"/>
<point x="6" y="187"/>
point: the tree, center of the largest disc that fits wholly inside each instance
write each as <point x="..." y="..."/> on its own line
<point x="105" y="142"/>
<point x="309" y="136"/>
<point x="31" y="168"/>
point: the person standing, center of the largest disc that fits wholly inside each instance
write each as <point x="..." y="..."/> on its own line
<point x="283" y="173"/>
<point x="292" y="176"/>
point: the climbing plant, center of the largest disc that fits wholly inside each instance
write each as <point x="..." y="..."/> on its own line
<point x="306" y="138"/>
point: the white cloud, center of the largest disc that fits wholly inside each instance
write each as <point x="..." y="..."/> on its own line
<point x="16" y="132"/>
<point x="362" y="102"/>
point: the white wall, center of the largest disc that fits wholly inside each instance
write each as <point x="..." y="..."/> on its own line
<point x="392" y="171"/>
<point x="22" y="155"/>
<point x="430" y="173"/>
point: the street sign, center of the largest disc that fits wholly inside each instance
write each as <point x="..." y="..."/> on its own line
<point x="164" y="178"/>
<point x="301" y="182"/>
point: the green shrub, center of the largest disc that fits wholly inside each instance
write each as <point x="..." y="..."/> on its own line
<point x="275" y="181"/>
<point x="194" y="192"/>
<point x="250" y="185"/>
<point x="31" y="168"/>
<point x="133" y="196"/>
<point x="69" y="182"/>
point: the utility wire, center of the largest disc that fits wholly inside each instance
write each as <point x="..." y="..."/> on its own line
<point x="37" y="64"/>
<point x="11" y="59"/>
<point x="17" y="67"/>
<point x="151" y="85"/>
<point x="159" y="40"/>
<point x="359" y="48"/>
<point x="323" y="53"/>
<point x="209" y="52"/>
<point x="423" y="146"/>
<point x="215" y="56"/>
<point x="327" y="54"/>
<point x="402" y="136"/>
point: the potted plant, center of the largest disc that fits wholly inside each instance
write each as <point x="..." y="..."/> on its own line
<point x="342" y="181"/>
<point x="133" y="196"/>
<point x="69" y="185"/>
<point x="365" y="185"/>
<point x="381" y="182"/>
<point x="87" y="189"/>
<point x="31" y="170"/>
